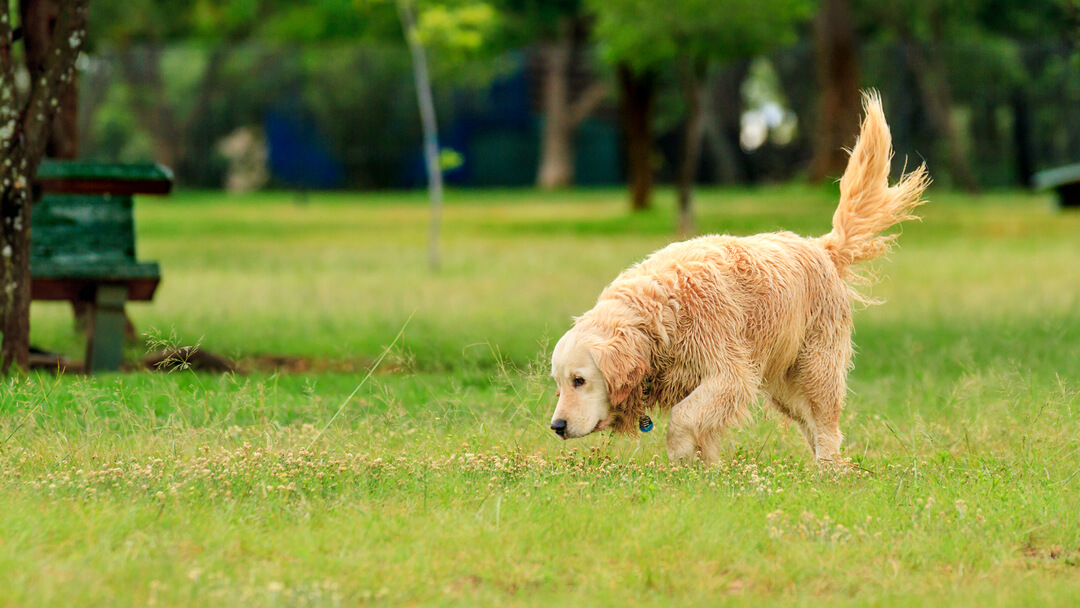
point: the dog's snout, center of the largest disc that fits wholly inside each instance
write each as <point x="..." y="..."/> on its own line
<point x="559" y="426"/>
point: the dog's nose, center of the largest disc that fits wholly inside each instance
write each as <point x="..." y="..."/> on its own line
<point x="559" y="426"/>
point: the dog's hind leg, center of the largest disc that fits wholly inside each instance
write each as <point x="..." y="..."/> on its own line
<point x="822" y="380"/>
<point x="793" y="405"/>
<point x="698" y="421"/>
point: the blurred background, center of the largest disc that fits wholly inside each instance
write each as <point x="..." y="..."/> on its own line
<point x="319" y="94"/>
<point x="628" y="108"/>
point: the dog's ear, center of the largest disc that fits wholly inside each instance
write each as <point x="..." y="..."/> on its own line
<point x="624" y="361"/>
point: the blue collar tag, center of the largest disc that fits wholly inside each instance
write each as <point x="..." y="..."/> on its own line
<point x="645" y="424"/>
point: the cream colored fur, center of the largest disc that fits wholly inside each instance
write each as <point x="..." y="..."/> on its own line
<point x="704" y="327"/>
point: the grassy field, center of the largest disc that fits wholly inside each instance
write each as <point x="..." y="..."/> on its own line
<point x="438" y="481"/>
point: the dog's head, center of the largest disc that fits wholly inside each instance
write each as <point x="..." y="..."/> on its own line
<point x="595" y="375"/>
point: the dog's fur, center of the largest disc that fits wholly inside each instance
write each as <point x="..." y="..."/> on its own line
<point x="702" y="327"/>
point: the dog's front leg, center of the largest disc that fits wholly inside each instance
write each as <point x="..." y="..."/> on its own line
<point x="698" y="421"/>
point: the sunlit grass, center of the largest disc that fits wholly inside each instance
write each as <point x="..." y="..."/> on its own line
<point x="439" y="482"/>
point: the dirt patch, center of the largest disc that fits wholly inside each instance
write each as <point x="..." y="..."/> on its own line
<point x="201" y="360"/>
<point x="1054" y="553"/>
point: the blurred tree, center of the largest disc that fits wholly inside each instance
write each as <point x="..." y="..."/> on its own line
<point x="139" y="31"/>
<point x="643" y="39"/>
<point x="430" y="127"/>
<point x="837" y="69"/>
<point x="559" y="30"/>
<point x="933" y="35"/>
<point x="26" y="114"/>
<point x="225" y="50"/>
<point x="457" y="31"/>
<point x="922" y="27"/>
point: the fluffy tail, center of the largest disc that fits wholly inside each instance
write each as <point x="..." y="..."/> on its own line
<point x="868" y="205"/>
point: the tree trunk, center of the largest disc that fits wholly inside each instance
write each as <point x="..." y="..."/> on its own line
<point x="561" y="116"/>
<point x="557" y="151"/>
<point x="38" y="20"/>
<point x="430" y="128"/>
<point x="636" y="108"/>
<point x="140" y="67"/>
<point x="931" y="80"/>
<point x="1022" y="137"/>
<point x="25" y="130"/>
<point x="210" y="89"/>
<point x="692" y="93"/>
<point x="15" y="211"/>
<point x="838" y="83"/>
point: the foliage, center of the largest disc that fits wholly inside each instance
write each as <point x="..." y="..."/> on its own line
<point x="458" y="31"/>
<point x="537" y="20"/>
<point x="120" y="22"/>
<point x="647" y="35"/>
<point x="963" y="19"/>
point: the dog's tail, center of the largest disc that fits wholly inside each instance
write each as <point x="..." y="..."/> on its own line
<point x="868" y="205"/>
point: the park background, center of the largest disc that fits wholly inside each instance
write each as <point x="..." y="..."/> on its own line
<point x="986" y="92"/>
<point x="297" y="246"/>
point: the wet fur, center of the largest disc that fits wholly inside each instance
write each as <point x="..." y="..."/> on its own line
<point x="703" y="327"/>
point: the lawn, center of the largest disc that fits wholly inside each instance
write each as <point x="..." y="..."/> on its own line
<point x="436" y="481"/>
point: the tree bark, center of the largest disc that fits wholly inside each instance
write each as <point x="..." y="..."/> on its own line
<point x="15" y="212"/>
<point x="692" y="93"/>
<point x="24" y="129"/>
<point x="39" y="20"/>
<point x="838" y="82"/>
<point x="636" y="108"/>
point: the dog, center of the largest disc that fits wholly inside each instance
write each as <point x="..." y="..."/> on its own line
<point x="702" y="328"/>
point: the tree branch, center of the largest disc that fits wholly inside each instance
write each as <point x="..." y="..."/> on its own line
<point x="587" y="102"/>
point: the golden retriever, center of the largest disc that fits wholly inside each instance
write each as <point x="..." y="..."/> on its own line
<point x="703" y="327"/>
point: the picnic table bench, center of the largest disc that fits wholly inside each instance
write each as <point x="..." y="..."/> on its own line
<point x="1065" y="180"/>
<point x="82" y="246"/>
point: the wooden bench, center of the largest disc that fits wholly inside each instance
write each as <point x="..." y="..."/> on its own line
<point x="1065" y="180"/>
<point x="82" y="246"/>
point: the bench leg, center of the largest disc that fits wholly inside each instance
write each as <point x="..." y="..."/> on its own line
<point x="84" y="320"/>
<point x="105" y="342"/>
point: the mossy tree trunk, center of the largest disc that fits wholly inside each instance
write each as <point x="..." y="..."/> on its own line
<point x="25" y="121"/>
<point x="39" y="19"/>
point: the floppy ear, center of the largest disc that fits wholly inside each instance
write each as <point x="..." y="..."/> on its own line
<point x="624" y="361"/>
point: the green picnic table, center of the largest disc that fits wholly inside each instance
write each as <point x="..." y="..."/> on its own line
<point x="1063" y="180"/>
<point x="82" y="246"/>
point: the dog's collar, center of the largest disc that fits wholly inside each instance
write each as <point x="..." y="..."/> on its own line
<point x="645" y="424"/>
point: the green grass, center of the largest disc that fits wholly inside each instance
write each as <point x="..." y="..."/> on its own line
<point x="438" y="482"/>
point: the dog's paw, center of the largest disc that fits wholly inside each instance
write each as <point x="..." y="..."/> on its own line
<point x="680" y="448"/>
<point x="836" y="462"/>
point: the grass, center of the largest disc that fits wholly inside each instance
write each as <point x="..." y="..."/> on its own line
<point x="438" y="483"/>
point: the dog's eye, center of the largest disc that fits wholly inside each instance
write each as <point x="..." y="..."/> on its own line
<point x="578" y="381"/>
